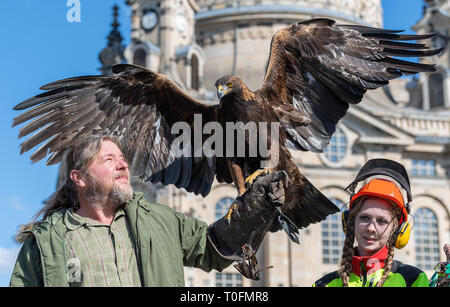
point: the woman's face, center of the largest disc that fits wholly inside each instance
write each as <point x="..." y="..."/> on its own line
<point x="373" y="225"/>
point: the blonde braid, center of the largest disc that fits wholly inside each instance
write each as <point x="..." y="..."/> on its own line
<point x="391" y="244"/>
<point x="387" y="265"/>
<point x="345" y="266"/>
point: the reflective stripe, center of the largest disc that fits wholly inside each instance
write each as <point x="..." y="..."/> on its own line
<point x="401" y="275"/>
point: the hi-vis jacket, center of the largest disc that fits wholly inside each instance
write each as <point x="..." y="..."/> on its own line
<point x="165" y="241"/>
<point x="367" y="271"/>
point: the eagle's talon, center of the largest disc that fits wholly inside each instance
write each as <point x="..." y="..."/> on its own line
<point x="252" y="177"/>
<point x="232" y="208"/>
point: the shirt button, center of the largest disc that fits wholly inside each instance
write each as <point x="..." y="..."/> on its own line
<point x="123" y="270"/>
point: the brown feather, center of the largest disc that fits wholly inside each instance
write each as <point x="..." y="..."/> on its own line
<point x="74" y="108"/>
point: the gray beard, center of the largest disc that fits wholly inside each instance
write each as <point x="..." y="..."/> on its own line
<point x="119" y="196"/>
<point x="95" y="194"/>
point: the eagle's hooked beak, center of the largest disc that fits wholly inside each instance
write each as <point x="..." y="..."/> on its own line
<point x="221" y="91"/>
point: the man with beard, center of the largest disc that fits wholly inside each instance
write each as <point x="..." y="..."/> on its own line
<point x="95" y="231"/>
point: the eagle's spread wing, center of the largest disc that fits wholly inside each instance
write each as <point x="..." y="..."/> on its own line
<point x="316" y="69"/>
<point x="137" y="105"/>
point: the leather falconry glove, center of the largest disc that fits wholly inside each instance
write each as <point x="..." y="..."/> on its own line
<point x="255" y="212"/>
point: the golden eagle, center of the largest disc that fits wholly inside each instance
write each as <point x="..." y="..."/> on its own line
<point x="315" y="70"/>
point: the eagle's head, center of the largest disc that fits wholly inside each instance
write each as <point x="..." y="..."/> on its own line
<point x="228" y="85"/>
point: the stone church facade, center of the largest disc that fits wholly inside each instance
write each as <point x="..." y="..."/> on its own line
<point x="196" y="42"/>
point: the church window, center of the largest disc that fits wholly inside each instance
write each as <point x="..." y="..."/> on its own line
<point x="228" y="280"/>
<point x="423" y="168"/>
<point x="195" y="80"/>
<point x="426" y="239"/>
<point x="436" y="87"/>
<point x="332" y="236"/>
<point x="139" y="57"/>
<point x="337" y="148"/>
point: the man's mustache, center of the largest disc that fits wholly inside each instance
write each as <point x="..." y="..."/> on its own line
<point x="122" y="173"/>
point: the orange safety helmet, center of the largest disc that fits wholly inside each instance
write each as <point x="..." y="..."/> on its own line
<point x="385" y="189"/>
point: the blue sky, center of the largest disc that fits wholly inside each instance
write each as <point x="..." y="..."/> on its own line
<point x="39" y="45"/>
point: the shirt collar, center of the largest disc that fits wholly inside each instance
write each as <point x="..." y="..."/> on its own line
<point x="370" y="264"/>
<point x="74" y="221"/>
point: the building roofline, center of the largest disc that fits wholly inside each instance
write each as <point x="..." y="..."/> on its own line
<point x="276" y="9"/>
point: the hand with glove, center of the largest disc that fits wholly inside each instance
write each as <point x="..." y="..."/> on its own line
<point x="238" y="237"/>
<point x="441" y="277"/>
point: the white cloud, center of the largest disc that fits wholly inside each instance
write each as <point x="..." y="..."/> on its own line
<point x="17" y="203"/>
<point x="8" y="258"/>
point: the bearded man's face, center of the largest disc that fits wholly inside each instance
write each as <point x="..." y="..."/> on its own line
<point x="108" y="175"/>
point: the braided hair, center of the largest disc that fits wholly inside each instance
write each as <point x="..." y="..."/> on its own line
<point x="390" y="245"/>
<point x="345" y="265"/>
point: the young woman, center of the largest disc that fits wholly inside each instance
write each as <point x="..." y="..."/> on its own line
<point x="378" y="221"/>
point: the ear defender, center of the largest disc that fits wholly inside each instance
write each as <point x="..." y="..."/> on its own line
<point x="402" y="234"/>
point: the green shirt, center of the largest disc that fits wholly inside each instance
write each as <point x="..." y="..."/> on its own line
<point x="100" y="255"/>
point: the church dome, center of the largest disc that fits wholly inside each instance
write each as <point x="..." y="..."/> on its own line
<point x="367" y="12"/>
<point x="235" y="35"/>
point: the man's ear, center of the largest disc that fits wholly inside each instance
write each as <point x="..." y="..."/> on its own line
<point x="77" y="178"/>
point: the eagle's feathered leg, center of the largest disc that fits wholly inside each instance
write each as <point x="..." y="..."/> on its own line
<point x="238" y="176"/>
<point x="238" y="179"/>
<point x="241" y="183"/>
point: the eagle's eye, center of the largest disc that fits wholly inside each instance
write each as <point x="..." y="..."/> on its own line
<point x="229" y="84"/>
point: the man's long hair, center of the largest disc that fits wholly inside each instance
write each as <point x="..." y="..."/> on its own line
<point x="78" y="158"/>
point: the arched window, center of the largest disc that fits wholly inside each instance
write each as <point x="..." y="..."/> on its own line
<point x="336" y="151"/>
<point x="332" y="236"/>
<point x="139" y="57"/>
<point x="436" y="88"/>
<point x="426" y="239"/>
<point x="195" y="81"/>
<point x="222" y="207"/>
